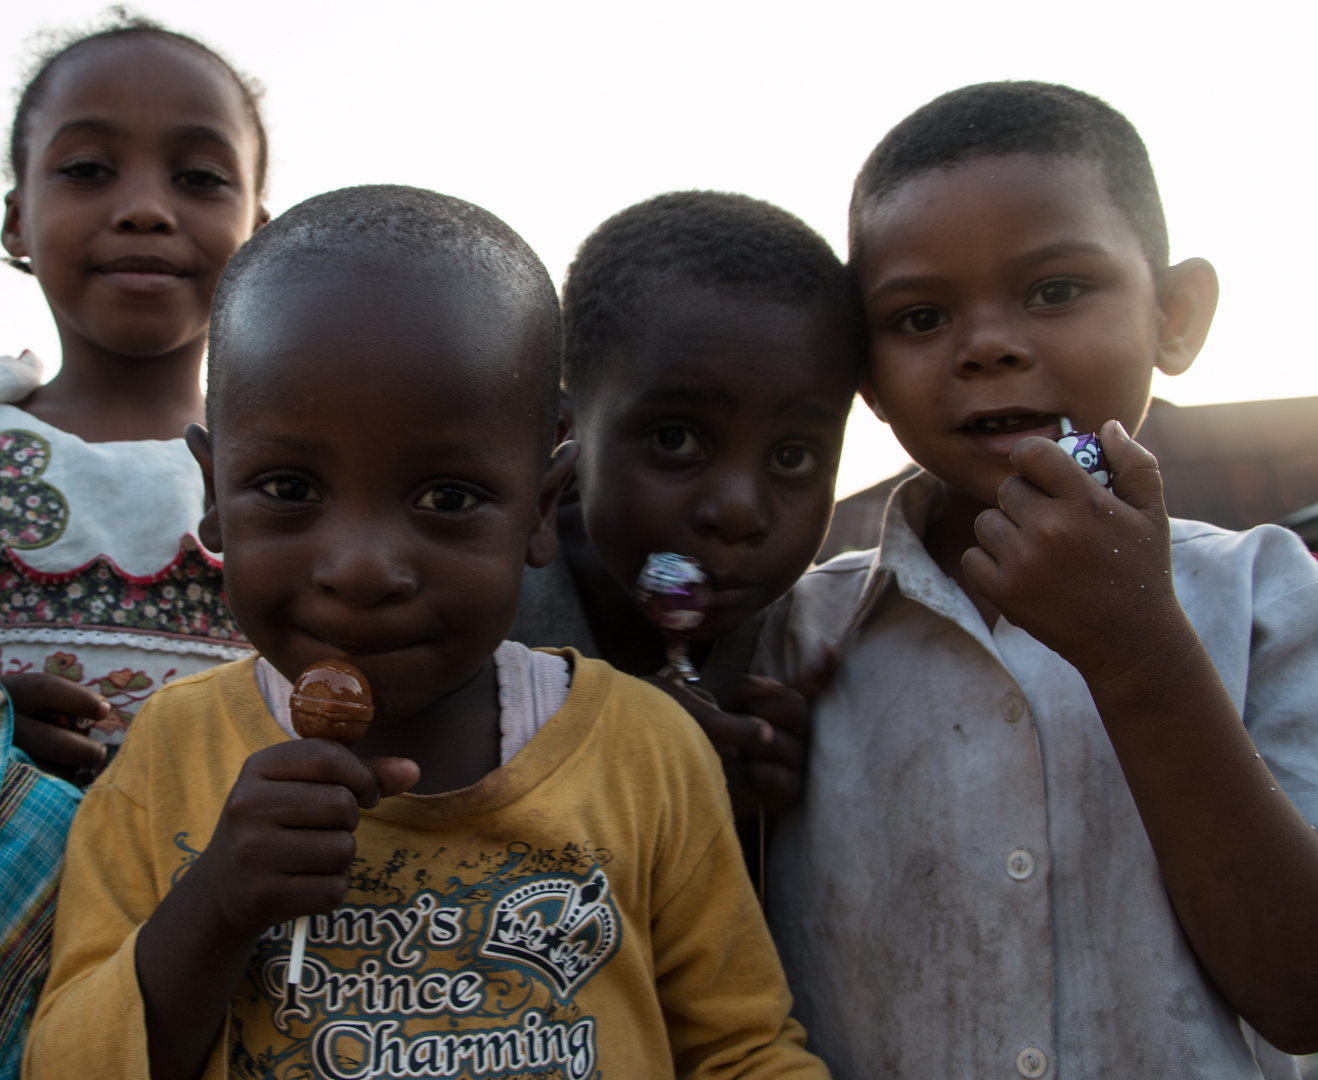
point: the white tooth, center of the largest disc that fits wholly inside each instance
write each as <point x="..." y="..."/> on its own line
<point x="991" y="423"/>
<point x="1011" y="421"/>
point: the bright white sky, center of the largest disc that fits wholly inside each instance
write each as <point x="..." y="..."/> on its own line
<point x="556" y="115"/>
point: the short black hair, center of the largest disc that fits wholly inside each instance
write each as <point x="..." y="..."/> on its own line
<point x="998" y="118"/>
<point x="711" y="238"/>
<point x="384" y="226"/>
<point x="119" y="22"/>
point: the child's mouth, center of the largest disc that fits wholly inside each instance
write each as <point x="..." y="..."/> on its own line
<point x="142" y="273"/>
<point x="999" y="432"/>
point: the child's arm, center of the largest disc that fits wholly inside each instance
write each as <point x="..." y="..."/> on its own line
<point x="281" y="849"/>
<point x="1088" y="574"/>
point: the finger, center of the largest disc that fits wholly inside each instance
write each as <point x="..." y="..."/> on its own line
<point x="1050" y="468"/>
<point x="394" y="775"/>
<point x="981" y="571"/>
<point x="319" y="761"/>
<point x="38" y="692"/>
<point x="781" y="706"/>
<point x="1136" y="479"/>
<point x="317" y="852"/>
<point x="298" y="804"/>
<point x="785" y="749"/>
<point x="1020" y="500"/>
<point x="49" y="742"/>
<point x="994" y="531"/>
<point x="722" y="728"/>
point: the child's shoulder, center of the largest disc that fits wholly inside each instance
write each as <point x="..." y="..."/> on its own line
<point x="638" y="723"/>
<point x="1267" y="561"/>
<point x="192" y="731"/>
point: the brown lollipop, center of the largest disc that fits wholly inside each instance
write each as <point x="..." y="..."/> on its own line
<point x="330" y="700"/>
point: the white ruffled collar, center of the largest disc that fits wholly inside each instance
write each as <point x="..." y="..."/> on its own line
<point x="65" y="503"/>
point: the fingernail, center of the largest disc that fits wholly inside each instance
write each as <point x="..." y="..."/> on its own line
<point x="1121" y="430"/>
<point x="766" y="731"/>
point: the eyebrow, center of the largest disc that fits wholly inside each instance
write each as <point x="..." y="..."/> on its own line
<point x="687" y="394"/>
<point x="918" y="282"/>
<point x="182" y="133"/>
<point x="486" y="454"/>
<point x="807" y="412"/>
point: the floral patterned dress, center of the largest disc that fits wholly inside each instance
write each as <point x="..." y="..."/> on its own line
<point x="102" y="577"/>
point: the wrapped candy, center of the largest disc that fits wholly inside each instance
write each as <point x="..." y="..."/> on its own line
<point x="330" y="700"/>
<point x="1086" y="451"/>
<point x="673" y="594"/>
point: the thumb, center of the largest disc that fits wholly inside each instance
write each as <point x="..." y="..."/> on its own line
<point x="1136" y="480"/>
<point x="394" y="774"/>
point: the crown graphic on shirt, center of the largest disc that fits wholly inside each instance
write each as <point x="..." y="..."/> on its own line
<point x="558" y="926"/>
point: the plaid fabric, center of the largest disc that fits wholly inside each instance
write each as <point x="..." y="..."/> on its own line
<point x="35" y="813"/>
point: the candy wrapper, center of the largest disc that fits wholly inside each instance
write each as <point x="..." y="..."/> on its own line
<point x="673" y="594"/>
<point x="1087" y="452"/>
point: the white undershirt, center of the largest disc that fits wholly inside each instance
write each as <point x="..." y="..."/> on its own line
<point x="532" y="687"/>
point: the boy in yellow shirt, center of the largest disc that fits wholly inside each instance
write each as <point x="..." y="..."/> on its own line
<point x="383" y="401"/>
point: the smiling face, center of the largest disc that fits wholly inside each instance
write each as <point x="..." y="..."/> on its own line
<point x="377" y="484"/>
<point x="140" y="184"/>
<point x="716" y="433"/>
<point x="1003" y="294"/>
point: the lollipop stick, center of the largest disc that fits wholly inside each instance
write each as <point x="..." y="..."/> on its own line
<point x="299" y="949"/>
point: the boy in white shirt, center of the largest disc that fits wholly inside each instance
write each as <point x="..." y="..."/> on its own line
<point x="1038" y="839"/>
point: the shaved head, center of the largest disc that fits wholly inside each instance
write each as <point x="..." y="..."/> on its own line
<point x="449" y="270"/>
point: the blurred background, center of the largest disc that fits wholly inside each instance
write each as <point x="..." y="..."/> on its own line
<point x="554" y="116"/>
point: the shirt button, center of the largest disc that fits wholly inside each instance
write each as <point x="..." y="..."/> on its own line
<point x="1032" y="1062"/>
<point x="1020" y="865"/>
<point x="1012" y="707"/>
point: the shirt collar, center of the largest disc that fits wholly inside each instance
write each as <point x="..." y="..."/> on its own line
<point x="902" y="562"/>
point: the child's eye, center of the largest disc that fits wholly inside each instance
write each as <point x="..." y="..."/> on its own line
<point x="205" y="178"/>
<point x="1053" y="292"/>
<point x="793" y="460"/>
<point x="677" y="440"/>
<point x="447" y="500"/>
<point x="919" y="321"/>
<point x="85" y="170"/>
<point x="290" y="489"/>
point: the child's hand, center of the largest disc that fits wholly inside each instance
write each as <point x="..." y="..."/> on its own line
<point x="1083" y="570"/>
<point x="761" y="730"/>
<point x="284" y="840"/>
<point x="40" y="701"/>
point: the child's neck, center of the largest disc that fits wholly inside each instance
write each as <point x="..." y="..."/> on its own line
<point x="623" y="636"/>
<point x="102" y="396"/>
<point x="455" y="741"/>
<point x="949" y="534"/>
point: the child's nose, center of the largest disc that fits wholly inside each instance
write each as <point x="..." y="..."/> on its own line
<point x="733" y="507"/>
<point x="990" y="345"/>
<point x="145" y="206"/>
<point x="364" y="567"/>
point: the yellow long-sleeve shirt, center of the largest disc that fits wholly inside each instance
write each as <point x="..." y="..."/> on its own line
<point x="582" y="912"/>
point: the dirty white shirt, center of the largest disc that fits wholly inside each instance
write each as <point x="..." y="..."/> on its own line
<point x="968" y="890"/>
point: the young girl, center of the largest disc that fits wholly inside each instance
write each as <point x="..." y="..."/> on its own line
<point x="138" y="158"/>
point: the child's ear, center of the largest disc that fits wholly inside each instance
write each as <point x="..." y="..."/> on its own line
<point x="866" y="391"/>
<point x="12" y="235"/>
<point x="199" y="442"/>
<point x="1187" y="295"/>
<point x="543" y="545"/>
<point x="567" y="420"/>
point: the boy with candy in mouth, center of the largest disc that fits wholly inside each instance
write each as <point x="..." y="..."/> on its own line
<point x="513" y="871"/>
<point x="1059" y="808"/>
<point x="712" y="347"/>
